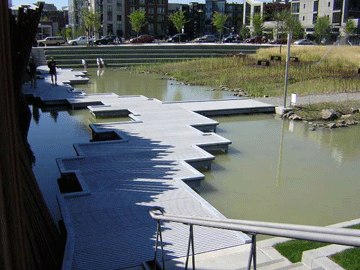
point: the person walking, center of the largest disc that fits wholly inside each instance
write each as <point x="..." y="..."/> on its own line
<point x="32" y="71"/>
<point x="52" y="66"/>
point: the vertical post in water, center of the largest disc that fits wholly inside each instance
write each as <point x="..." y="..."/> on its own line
<point x="287" y="67"/>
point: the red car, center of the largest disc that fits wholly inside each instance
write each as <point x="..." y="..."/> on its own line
<point x="142" y="39"/>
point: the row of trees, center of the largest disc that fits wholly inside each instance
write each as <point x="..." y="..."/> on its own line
<point x="284" y="23"/>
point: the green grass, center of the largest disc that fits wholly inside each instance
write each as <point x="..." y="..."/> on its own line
<point x="349" y="259"/>
<point x="336" y="72"/>
<point x="293" y="250"/>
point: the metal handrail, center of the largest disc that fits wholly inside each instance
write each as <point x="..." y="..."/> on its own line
<point x="341" y="236"/>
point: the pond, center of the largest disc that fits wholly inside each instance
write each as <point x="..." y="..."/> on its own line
<point x="275" y="170"/>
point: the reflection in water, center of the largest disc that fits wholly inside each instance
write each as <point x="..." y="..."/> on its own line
<point x="123" y="82"/>
<point x="36" y="114"/>
<point x="311" y="186"/>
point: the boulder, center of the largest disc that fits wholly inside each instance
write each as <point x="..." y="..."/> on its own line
<point x="329" y="114"/>
<point x="295" y="117"/>
<point x="331" y="125"/>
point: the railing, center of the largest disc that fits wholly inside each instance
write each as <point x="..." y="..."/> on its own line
<point x="341" y="236"/>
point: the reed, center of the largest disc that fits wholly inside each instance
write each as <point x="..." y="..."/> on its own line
<point x="321" y="70"/>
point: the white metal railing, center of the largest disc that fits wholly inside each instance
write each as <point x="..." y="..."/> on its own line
<point x="341" y="236"/>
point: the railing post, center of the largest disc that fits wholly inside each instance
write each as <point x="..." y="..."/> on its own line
<point x="252" y="252"/>
<point x="159" y="235"/>
<point x="191" y="243"/>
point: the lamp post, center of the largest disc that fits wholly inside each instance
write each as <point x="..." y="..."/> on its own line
<point x="287" y="68"/>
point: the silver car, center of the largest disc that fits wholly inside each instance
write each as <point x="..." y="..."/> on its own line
<point x="82" y="40"/>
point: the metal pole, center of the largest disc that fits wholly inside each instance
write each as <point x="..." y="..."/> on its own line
<point x="287" y="68"/>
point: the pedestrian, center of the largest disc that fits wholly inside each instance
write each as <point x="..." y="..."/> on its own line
<point x="52" y="66"/>
<point x="32" y="71"/>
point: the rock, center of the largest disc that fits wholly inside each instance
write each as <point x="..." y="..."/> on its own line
<point x="346" y="116"/>
<point x="312" y="128"/>
<point x="331" y="125"/>
<point x="266" y="96"/>
<point x="329" y="114"/>
<point x="287" y="114"/>
<point x="295" y="117"/>
<point x="355" y="110"/>
<point x="350" y="122"/>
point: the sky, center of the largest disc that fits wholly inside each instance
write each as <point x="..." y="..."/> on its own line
<point x="62" y="3"/>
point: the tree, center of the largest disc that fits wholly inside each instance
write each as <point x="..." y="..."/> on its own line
<point x="322" y="28"/>
<point x="137" y="20"/>
<point x="245" y="32"/>
<point x="219" y="20"/>
<point x="90" y="20"/>
<point x="258" y="24"/>
<point x="179" y="20"/>
<point x="350" y="26"/>
<point x="290" y="24"/>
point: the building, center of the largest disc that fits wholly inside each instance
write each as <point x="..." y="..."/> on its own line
<point x="338" y="11"/>
<point x="114" y="16"/>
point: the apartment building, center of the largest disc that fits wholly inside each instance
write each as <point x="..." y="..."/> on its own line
<point x="338" y="12"/>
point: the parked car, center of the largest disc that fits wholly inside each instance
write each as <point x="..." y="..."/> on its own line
<point x="279" y="41"/>
<point x="182" y="37"/>
<point x="105" y="40"/>
<point x="142" y="39"/>
<point x="231" y="38"/>
<point x="303" y="42"/>
<point x="82" y="40"/>
<point x="51" y="41"/>
<point x="206" y="38"/>
<point x="255" y="39"/>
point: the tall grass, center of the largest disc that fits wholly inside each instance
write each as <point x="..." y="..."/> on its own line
<point x="322" y="69"/>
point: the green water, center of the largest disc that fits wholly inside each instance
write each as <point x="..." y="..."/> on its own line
<point x="275" y="170"/>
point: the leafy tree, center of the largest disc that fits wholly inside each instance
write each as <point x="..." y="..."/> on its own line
<point x="322" y="28"/>
<point x="245" y="32"/>
<point x="285" y="22"/>
<point x="258" y="24"/>
<point x="137" y="20"/>
<point x="90" y="20"/>
<point x="219" y="20"/>
<point x="179" y="20"/>
<point x="350" y="26"/>
<point x="68" y="33"/>
<point x="79" y="31"/>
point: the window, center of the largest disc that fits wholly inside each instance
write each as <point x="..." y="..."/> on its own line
<point x="109" y="1"/>
<point x="304" y="6"/>
<point x="295" y="7"/>
<point x="160" y="10"/>
<point x="314" y="18"/>
<point x="141" y="2"/>
<point x="109" y="8"/>
<point x="303" y="18"/>
<point x="338" y="4"/>
<point x="336" y="17"/>
<point x="109" y="16"/>
<point x="296" y="17"/>
<point x="118" y="7"/>
<point x="110" y="29"/>
<point x="328" y="4"/>
<point x="118" y="18"/>
<point x="316" y="6"/>
<point x="151" y="10"/>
